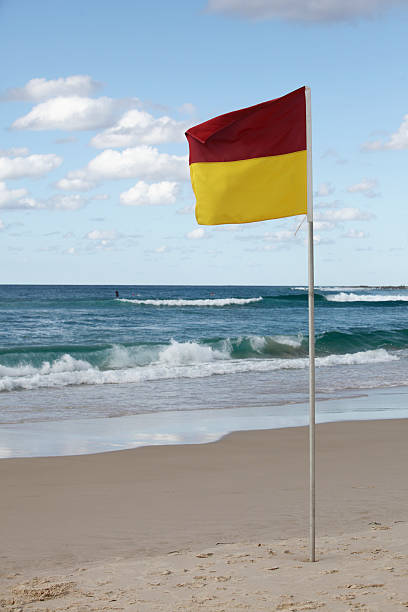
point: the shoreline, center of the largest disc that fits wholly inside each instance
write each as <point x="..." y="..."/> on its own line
<point x="99" y="435"/>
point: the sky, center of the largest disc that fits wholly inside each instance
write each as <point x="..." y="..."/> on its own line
<point x="95" y="98"/>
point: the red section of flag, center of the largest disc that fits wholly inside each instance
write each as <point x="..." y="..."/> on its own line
<point x="276" y="127"/>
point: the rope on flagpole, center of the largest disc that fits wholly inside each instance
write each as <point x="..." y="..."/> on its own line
<point x="300" y="224"/>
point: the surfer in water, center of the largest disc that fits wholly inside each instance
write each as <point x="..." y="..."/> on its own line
<point x="117" y="293"/>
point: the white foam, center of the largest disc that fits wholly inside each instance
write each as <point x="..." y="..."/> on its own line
<point x="181" y="302"/>
<point x="179" y="360"/>
<point x="22" y="370"/>
<point x="295" y="342"/>
<point x="260" y="343"/>
<point x="184" y="353"/>
<point x="257" y="343"/>
<point x="119" y="357"/>
<point x="374" y="356"/>
<point x="66" y="363"/>
<point x="354" y="297"/>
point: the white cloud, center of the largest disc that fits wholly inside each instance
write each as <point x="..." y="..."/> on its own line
<point x="10" y="197"/>
<point x="318" y="206"/>
<point x="139" y="127"/>
<point x="75" y="184"/>
<point x="14" y="152"/>
<point x="19" y="199"/>
<point x="302" y="10"/>
<point x="71" y="251"/>
<point x="397" y="141"/>
<point x="156" y="193"/>
<point x="33" y="165"/>
<point x="100" y="239"/>
<point x="196" y="234"/>
<point x="161" y="249"/>
<point x="324" y="190"/>
<point x="231" y="227"/>
<point x="186" y="210"/>
<point x="66" y="202"/>
<point x="279" y="239"/>
<point x="354" y="234"/>
<point x="344" y="214"/>
<point x="367" y="187"/>
<point x="280" y="236"/>
<point x="70" y="114"/>
<point x="102" y="235"/>
<point x="319" y="240"/>
<point x="322" y="226"/>
<point x="41" y="89"/>
<point x="139" y="162"/>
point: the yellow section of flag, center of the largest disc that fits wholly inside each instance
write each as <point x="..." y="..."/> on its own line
<point x="250" y="190"/>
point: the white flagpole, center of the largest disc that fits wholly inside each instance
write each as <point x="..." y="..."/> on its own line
<point x="312" y="391"/>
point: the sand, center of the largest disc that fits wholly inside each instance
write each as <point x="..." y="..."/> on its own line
<point x="219" y="526"/>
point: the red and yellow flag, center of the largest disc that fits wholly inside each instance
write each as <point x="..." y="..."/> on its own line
<point x="251" y="164"/>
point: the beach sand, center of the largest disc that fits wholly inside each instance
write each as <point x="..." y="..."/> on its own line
<point x="219" y="526"/>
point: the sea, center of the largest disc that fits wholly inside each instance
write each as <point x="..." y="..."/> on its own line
<point x="83" y="370"/>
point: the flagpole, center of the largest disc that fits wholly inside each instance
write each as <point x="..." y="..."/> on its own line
<point x="312" y="385"/>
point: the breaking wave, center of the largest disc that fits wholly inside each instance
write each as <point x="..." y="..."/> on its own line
<point x="202" y="302"/>
<point x="175" y="360"/>
<point x="354" y="297"/>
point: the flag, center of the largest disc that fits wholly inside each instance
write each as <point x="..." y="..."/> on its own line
<point x="251" y="164"/>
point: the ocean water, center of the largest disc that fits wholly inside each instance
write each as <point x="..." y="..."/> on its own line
<point x="69" y="353"/>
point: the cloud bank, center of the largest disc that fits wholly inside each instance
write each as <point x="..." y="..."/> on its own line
<point x="144" y="163"/>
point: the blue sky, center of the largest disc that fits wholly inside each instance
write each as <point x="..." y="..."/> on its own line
<point x="95" y="97"/>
